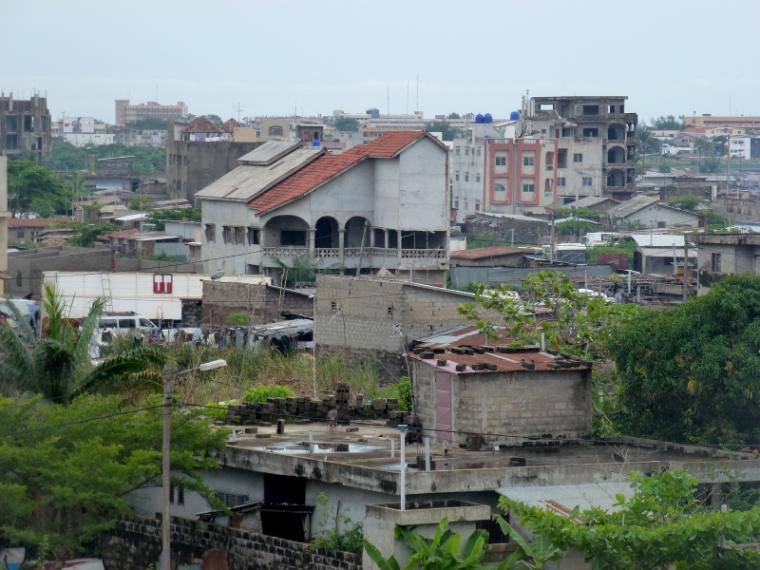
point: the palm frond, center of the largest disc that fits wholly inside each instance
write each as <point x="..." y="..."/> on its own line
<point x="18" y="368"/>
<point x="87" y="329"/>
<point x="23" y="329"/>
<point x="58" y="327"/>
<point x="130" y="368"/>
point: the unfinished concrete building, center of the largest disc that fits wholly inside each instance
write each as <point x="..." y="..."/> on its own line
<point x="24" y="126"/>
<point x="596" y="150"/>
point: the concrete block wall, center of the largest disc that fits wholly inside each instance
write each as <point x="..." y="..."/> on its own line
<point x="135" y="545"/>
<point x="499" y="405"/>
<point x="262" y="303"/>
<point x="377" y="318"/>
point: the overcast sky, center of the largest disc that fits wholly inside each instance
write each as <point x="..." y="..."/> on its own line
<point x="272" y="57"/>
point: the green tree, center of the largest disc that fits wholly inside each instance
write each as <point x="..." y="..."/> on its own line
<point x="58" y="365"/>
<point x="685" y="202"/>
<point x="66" y="471"/>
<point x="158" y="217"/>
<point x="34" y="188"/>
<point x="668" y="123"/>
<point x="646" y="142"/>
<point x="86" y="234"/>
<point x="692" y="373"/>
<point x="453" y="116"/>
<point x="661" y="526"/>
<point x="64" y="157"/>
<point x="448" y="133"/>
<point x="346" y="124"/>
<point x="570" y="321"/>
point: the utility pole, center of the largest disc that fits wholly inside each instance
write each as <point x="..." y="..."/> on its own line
<point x="166" y="477"/>
<point x="685" y="267"/>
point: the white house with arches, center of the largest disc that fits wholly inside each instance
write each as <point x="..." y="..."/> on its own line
<point x="382" y="205"/>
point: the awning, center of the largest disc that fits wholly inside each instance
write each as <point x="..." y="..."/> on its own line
<point x="564" y="498"/>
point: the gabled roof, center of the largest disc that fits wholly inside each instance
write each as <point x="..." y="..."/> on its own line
<point x="659" y="240"/>
<point x="635" y="204"/>
<point x="591" y="201"/>
<point x="329" y="166"/>
<point x="201" y="125"/>
<point x="229" y="125"/>
<point x="492" y="251"/>
<point x="269" y="152"/>
<point x="246" y="181"/>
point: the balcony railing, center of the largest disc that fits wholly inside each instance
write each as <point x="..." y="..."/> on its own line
<point x="354" y="252"/>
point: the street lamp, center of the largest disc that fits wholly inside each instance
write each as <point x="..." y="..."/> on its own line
<point x="169" y="376"/>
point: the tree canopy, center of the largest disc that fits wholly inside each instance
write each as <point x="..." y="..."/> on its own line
<point x="34" y="188"/>
<point x="346" y="124"/>
<point x="66" y="471"/>
<point x="64" y="157"/>
<point x="692" y="373"/>
<point x="662" y="525"/>
<point x="667" y="123"/>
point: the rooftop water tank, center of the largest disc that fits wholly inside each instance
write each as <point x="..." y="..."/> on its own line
<point x="478" y="118"/>
<point x="488" y="118"/>
<point x="514" y="116"/>
<point x="315" y="142"/>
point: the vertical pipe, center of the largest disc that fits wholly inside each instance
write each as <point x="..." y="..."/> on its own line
<point x="427" y="453"/>
<point x="402" y="464"/>
<point x="393" y="448"/>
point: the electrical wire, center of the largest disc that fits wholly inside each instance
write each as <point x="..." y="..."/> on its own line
<point x="81" y="421"/>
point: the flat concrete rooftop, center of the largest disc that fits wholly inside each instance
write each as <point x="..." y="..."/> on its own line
<point x="368" y="458"/>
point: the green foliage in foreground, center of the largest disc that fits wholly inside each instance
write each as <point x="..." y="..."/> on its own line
<point x="58" y="365"/>
<point x="34" y="188"/>
<point x="259" y="394"/>
<point x="442" y="552"/>
<point x="661" y="526"/>
<point x="336" y="532"/>
<point x="692" y="373"/>
<point x="66" y="471"/>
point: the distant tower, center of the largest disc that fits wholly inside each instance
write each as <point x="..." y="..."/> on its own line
<point x="120" y="112"/>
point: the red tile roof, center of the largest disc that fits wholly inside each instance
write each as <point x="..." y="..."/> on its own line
<point x="229" y="125"/>
<point x="201" y="125"/>
<point x="492" y="251"/>
<point x="328" y="166"/>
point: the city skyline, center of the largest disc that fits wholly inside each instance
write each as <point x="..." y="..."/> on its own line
<point x="669" y="63"/>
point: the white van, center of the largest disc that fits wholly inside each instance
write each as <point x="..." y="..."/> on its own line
<point x="122" y="324"/>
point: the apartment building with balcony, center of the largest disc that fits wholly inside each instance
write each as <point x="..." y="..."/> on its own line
<point x="381" y="205"/>
<point x="595" y="143"/>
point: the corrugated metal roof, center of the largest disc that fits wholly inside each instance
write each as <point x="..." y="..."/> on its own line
<point x="564" y="498"/>
<point x="492" y="251"/>
<point x="590" y="202"/>
<point x="658" y="240"/>
<point x="633" y="205"/>
<point x="246" y="181"/>
<point x="269" y="152"/>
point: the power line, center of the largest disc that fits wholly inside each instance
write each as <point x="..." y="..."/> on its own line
<point x="82" y="421"/>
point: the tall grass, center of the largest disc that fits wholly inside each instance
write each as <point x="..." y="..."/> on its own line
<point x="247" y="368"/>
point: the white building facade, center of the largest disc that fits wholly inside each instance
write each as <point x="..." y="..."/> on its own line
<point x="383" y="205"/>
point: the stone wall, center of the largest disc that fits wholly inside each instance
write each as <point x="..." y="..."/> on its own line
<point x="135" y="544"/>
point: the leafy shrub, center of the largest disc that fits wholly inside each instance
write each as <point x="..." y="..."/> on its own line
<point x="259" y="394"/>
